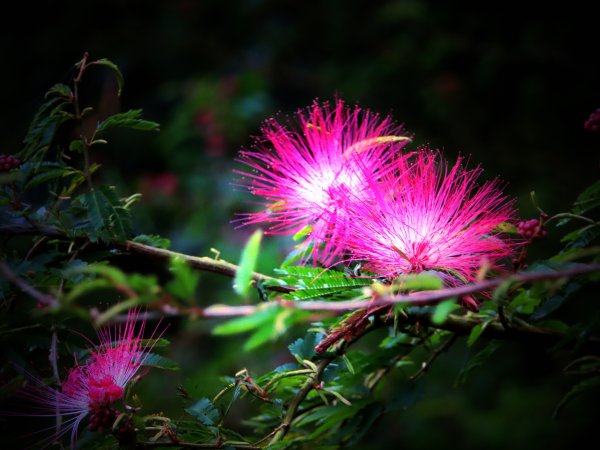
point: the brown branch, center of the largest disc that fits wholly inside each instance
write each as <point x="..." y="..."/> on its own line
<point x="197" y="262"/>
<point x="456" y="324"/>
<point x="416" y="298"/>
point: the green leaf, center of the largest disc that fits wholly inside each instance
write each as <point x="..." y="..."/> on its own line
<point x="60" y="89"/>
<point x="348" y="364"/>
<point x="271" y="330"/>
<point x="441" y="312"/>
<point x="247" y="323"/>
<point x="108" y="218"/>
<point x="305" y="348"/>
<point x="588" y="199"/>
<point x="299" y="252"/>
<point x="160" y="362"/>
<point x="243" y="275"/>
<point x="474" y="334"/>
<point x="302" y="233"/>
<point x="578" y="389"/>
<point x="42" y="129"/>
<point x="524" y="302"/>
<point x="394" y="340"/>
<point x="505" y="227"/>
<point x="313" y="282"/>
<point x="581" y="238"/>
<point x="585" y="365"/>
<point x="45" y="172"/>
<point x="113" y="67"/>
<point x="476" y="361"/>
<point x="205" y="412"/>
<point x="128" y="119"/>
<point x="263" y="334"/>
<point x="424" y="281"/>
<point x="185" y="280"/>
<point x="153" y="240"/>
<point x="557" y="300"/>
<point x="76" y="146"/>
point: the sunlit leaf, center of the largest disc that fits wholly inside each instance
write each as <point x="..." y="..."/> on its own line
<point x="441" y="312"/>
<point x="243" y="275"/>
<point x="247" y="323"/>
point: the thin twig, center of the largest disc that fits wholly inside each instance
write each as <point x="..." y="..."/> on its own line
<point x="197" y="262"/>
<point x="229" y="269"/>
<point x="42" y="298"/>
<point x="309" y="384"/>
<point x="434" y="355"/>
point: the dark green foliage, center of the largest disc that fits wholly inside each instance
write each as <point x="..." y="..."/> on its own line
<point x="130" y="119"/>
<point x="153" y="240"/>
<point x="49" y="117"/>
<point x="205" y="412"/>
<point x="108" y="218"/>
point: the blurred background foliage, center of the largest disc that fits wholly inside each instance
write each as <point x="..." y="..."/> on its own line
<point x="507" y="87"/>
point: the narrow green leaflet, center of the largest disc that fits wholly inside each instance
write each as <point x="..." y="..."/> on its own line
<point x="247" y="323"/>
<point x="302" y="233"/>
<point x="205" y="412"/>
<point x="243" y="275"/>
<point x="588" y="199"/>
<point x="269" y="323"/>
<point x="36" y="174"/>
<point x="41" y="132"/>
<point x="579" y="389"/>
<point x="524" y="302"/>
<point x="128" y="119"/>
<point x="115" y="70"/>
<point x="441" y="312"/>
<point x="185" y="280"/>
<point x="313" y="282"/>
<point x="476" y="361"/>
<point x="305" y="348"/>
<point x="153" y="240"/>
<point x="160" y="362"/>
<point x="424" y="281"/>
<point x="474" y="335"/>
<point x="581" y="238"/>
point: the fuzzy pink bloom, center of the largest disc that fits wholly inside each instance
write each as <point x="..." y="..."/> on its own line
<point x="297" y="169"/>
<point x="426" y="216"/>
<point x="93" y="385"/>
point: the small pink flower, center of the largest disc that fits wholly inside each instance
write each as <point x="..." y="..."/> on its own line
<point x="298" y="169"/>
<point x="92" y="386"/>
<point x="426" y="216"/>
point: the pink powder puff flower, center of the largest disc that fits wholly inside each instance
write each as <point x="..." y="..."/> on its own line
<point x="425" y="216"/>
<point x="93" y="386"/>
<point x="298" y="169"/>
